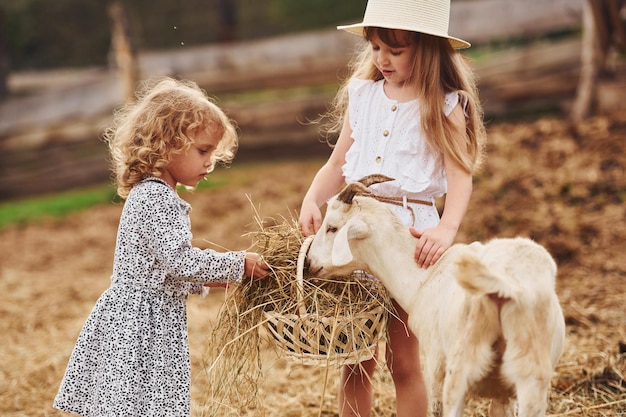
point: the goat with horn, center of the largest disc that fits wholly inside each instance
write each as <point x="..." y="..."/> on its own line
<point x="487" y="315"/>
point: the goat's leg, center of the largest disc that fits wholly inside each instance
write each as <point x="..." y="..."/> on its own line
<point x="433" y="377"/>
<point x="465" y="364"/>
<point x="531" y="374"/>
<point x="471" y="355"/>
<point x="527" y="361"/>
<point x="502" y="408"/>
<point x="454" y="389"/>
<point x="532" y="395"/>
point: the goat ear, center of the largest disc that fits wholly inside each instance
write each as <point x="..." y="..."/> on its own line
<point x="354" y="229"/>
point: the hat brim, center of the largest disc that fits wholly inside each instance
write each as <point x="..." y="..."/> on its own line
<point x="357" y="29"/>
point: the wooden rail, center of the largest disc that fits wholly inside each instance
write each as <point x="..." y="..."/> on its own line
<point x="49" y="141"/>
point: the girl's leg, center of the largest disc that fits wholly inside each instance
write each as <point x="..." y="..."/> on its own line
<point x="355" y="389"/>
<point x="403" y="361"/>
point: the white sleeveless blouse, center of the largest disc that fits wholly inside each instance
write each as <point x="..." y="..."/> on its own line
<point x="389" y="140"/>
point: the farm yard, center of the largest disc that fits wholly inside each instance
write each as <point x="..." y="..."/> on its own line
<point x="559" y="183"/>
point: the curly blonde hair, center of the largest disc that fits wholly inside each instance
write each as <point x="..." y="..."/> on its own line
<point x="148" y="132"/>
<point x="437" y="69"/>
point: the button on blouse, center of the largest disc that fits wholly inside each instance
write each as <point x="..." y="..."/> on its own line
<point x="388" y="139"/>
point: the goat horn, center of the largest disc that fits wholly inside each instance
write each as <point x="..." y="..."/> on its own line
<point x="349" y="191"/>
<point x="360" y="187"/>
<point x="374" y="179"/>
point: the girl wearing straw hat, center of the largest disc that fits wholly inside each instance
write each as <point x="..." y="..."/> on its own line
<point x="409" y="110"/>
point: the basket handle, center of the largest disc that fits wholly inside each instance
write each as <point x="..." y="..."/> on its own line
<point x="304" y="249"/>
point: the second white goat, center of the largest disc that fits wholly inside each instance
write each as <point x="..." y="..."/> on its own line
<point x="487" y="316"/>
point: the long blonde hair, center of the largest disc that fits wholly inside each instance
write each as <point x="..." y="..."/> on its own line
<point x="148" y="132"/>
<point x="438" y="69"/>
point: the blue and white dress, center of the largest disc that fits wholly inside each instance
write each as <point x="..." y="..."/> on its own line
<point x="132" y="355"/>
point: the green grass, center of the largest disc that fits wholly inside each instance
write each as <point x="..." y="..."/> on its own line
<point x="54" y="205"/>
<point x="59" y="205"/>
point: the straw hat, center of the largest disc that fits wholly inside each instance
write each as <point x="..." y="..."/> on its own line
<point x="424" y="16"/>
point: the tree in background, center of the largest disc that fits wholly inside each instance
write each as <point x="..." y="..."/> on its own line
<point x="4" y="58"/>
<point x="123" y="49"/>
<point x="45" y="34"/>
<point x="227" y="20"/>
<point x="56" y="34"/>
<point x="602" y="29"/>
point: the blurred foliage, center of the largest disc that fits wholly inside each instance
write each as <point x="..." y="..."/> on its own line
<point x="54" y="206"/>
<point x="42" y="33"/>
<point x="60" y="205"/>
<point x="61" y="33"/>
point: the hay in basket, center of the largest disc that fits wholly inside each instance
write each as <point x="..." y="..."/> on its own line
<point x="334" y="322"/>
<point x="323" y="322"/>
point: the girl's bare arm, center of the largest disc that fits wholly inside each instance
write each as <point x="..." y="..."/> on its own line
<point x="326" y="183"/>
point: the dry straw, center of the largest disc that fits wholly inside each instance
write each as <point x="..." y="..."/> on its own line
<point x="325" y="322"/>
<point x="338" y="323"/>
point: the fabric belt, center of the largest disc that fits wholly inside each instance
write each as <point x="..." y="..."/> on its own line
<point x="402" y="201"/>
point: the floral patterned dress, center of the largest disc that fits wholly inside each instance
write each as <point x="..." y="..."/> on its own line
<point x="132" y="355"/>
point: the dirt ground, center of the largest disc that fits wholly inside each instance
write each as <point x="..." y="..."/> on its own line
<point x="563" y="185"/>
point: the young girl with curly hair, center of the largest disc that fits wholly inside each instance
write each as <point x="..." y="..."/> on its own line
<point x="132" y="355"/>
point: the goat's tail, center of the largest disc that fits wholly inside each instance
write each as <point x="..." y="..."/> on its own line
<point x="477" y="279"/>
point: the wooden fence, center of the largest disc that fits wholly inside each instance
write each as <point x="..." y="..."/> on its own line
<point x="49" y="141"/>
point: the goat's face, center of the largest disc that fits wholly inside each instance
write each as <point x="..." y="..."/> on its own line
<point x="330" y="253"/>
<point x="335" y="248"/>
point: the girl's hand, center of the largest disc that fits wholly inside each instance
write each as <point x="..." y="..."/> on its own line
<point x="310" y="218"/>
<point x="255" y="267"/>
<point x="432" y="244"/>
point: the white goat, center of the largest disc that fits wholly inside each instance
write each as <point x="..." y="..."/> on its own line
<point x="486" y="315"/>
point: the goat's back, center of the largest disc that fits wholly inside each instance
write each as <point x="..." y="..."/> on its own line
<point x="519" y="276"/>
<point x="488" y="318"/>
<point x="516" y="268"/>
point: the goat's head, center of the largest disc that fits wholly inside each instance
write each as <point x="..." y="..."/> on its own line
<point x="348" y="219"/>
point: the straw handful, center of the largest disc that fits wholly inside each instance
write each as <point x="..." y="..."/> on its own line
<point x="318" y="321"/>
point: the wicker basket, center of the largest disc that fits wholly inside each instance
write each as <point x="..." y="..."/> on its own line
<point x="325" y="340"/>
